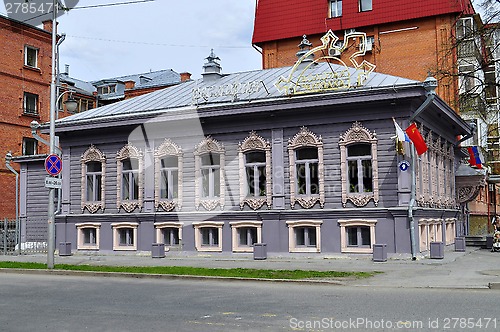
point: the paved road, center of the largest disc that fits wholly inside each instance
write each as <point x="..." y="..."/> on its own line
<point x="73" y="303"/>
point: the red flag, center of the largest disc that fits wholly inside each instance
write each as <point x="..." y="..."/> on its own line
<point x="416" y="138"/>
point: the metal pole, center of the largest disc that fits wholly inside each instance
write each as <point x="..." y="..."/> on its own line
<point x="8" y="158"/>
<point x="51" y="208"/>
<point x="412" y="202"/>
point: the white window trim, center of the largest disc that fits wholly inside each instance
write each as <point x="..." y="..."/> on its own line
<point x="36" y="111"/>
<point x="116" y="242"/>
<point x="197" y="235"/>
<point x="331" y="6"/>
<point x="292" y="246"/>
<point x="235" y="225"/>
<point x="93" y="154"/>
<point x="306" y="138"/>
<point x="254" y="142"/>
<point x="168" y="224"/>
<point x="168" y="148"/>
<point x="355" y="135"/>
<point x="209" y="145"/>
<point x="80" y="244"/>
<point x="344" y="223"/>
<point x="26" y="47"/>
<point x="132" y="152"/>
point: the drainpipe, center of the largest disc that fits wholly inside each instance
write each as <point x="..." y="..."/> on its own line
<point x="8" y="158"/>
<point x="430" y="84"/>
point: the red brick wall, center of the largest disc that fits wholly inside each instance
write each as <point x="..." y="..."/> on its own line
<point x="408" y="53"/>
<point x="15" y="79"/>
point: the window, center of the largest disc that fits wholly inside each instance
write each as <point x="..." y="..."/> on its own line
<point x="305" y="152"/>
<point x="169" y="233"/>
<point x="245" y="234"/>
<point x="357" y="235"/>
<point x="168" y="176"/>
<point x="107" y="89"/>
<point x="209" y="179"/>
<point x="208" y="236"/>
<point x="124" y="236"/>
<point x="93" y="179"/>
<point x="359" y="166"/>
<point x="31" y="56"/>
<point x="306" y="167"/>
<point x="365" y="5"/>
<point x="30" y="146"/>
<point x="130" y="186"/>
<point x="255" y="172"/>
<point x="88" y="236"/>
<point x="304" y="235"/>
<point x="465" y="28"/>
<point x="335" y="8"/>
<point x="430" y="231"/>
<point x="30" y="104"/>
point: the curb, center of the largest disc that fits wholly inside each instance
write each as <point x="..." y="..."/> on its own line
<point x="163" y="276"/>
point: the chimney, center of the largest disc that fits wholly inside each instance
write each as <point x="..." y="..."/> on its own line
<point x="47" y="25"/>
<point x="129" y="85"/>
<point x="211" y="69"/>
<point x="66" y="70"/>
<point x="185" y="76"/>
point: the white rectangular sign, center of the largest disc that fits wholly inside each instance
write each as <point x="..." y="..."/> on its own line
<point x="52" y="182"/>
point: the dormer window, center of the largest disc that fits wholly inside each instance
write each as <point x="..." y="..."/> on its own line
<point x="107" y="89"/>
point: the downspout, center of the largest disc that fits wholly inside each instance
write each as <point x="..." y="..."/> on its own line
<point x="8" y="158"/>
<point x="430" y="84"/>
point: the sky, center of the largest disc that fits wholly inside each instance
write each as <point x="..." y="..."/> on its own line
<point x="106" y="42"/>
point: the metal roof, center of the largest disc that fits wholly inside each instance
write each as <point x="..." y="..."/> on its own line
<point x="150" y="79"/>
<point x="238" y="87"/>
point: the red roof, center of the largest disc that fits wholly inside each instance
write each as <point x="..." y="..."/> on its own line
<point x="280" y="19"/>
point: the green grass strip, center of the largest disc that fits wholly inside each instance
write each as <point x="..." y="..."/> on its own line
<point x="197" y="271"/>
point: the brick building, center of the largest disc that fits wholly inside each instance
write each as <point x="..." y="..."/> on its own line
<point x="25" y="71"/>
<point x="406" y="38"/>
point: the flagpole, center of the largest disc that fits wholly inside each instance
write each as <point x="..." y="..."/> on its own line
<point x="411" y="205"/>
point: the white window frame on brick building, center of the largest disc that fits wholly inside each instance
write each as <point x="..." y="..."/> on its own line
<point x="30" y="104"/>
<point x="335" y="8"/>
<point x="31" y="56"/>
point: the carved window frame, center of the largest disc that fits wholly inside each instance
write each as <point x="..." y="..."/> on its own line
<point x="345" y="223"/>
<point x="168" y="148"/>
<point x="355" y="135"/>
<point x="126" y="152"/>
<point x="306" y="138"/>
<point x="254" y="142"/>
<point x="93" y="154"/>
<point x="209" y="145"/>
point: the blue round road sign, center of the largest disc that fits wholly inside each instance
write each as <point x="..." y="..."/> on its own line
<point x="53" y="164"/>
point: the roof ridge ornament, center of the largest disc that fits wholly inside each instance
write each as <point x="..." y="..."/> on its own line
<point x="299" y="81"/>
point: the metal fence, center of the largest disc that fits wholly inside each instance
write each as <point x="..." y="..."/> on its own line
<point x="29" y="237"/>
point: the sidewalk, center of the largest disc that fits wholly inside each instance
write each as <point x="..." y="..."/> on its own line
<point x="475" y="268"/>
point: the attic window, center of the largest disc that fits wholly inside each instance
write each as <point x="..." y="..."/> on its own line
<point x="106" y="89"/>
